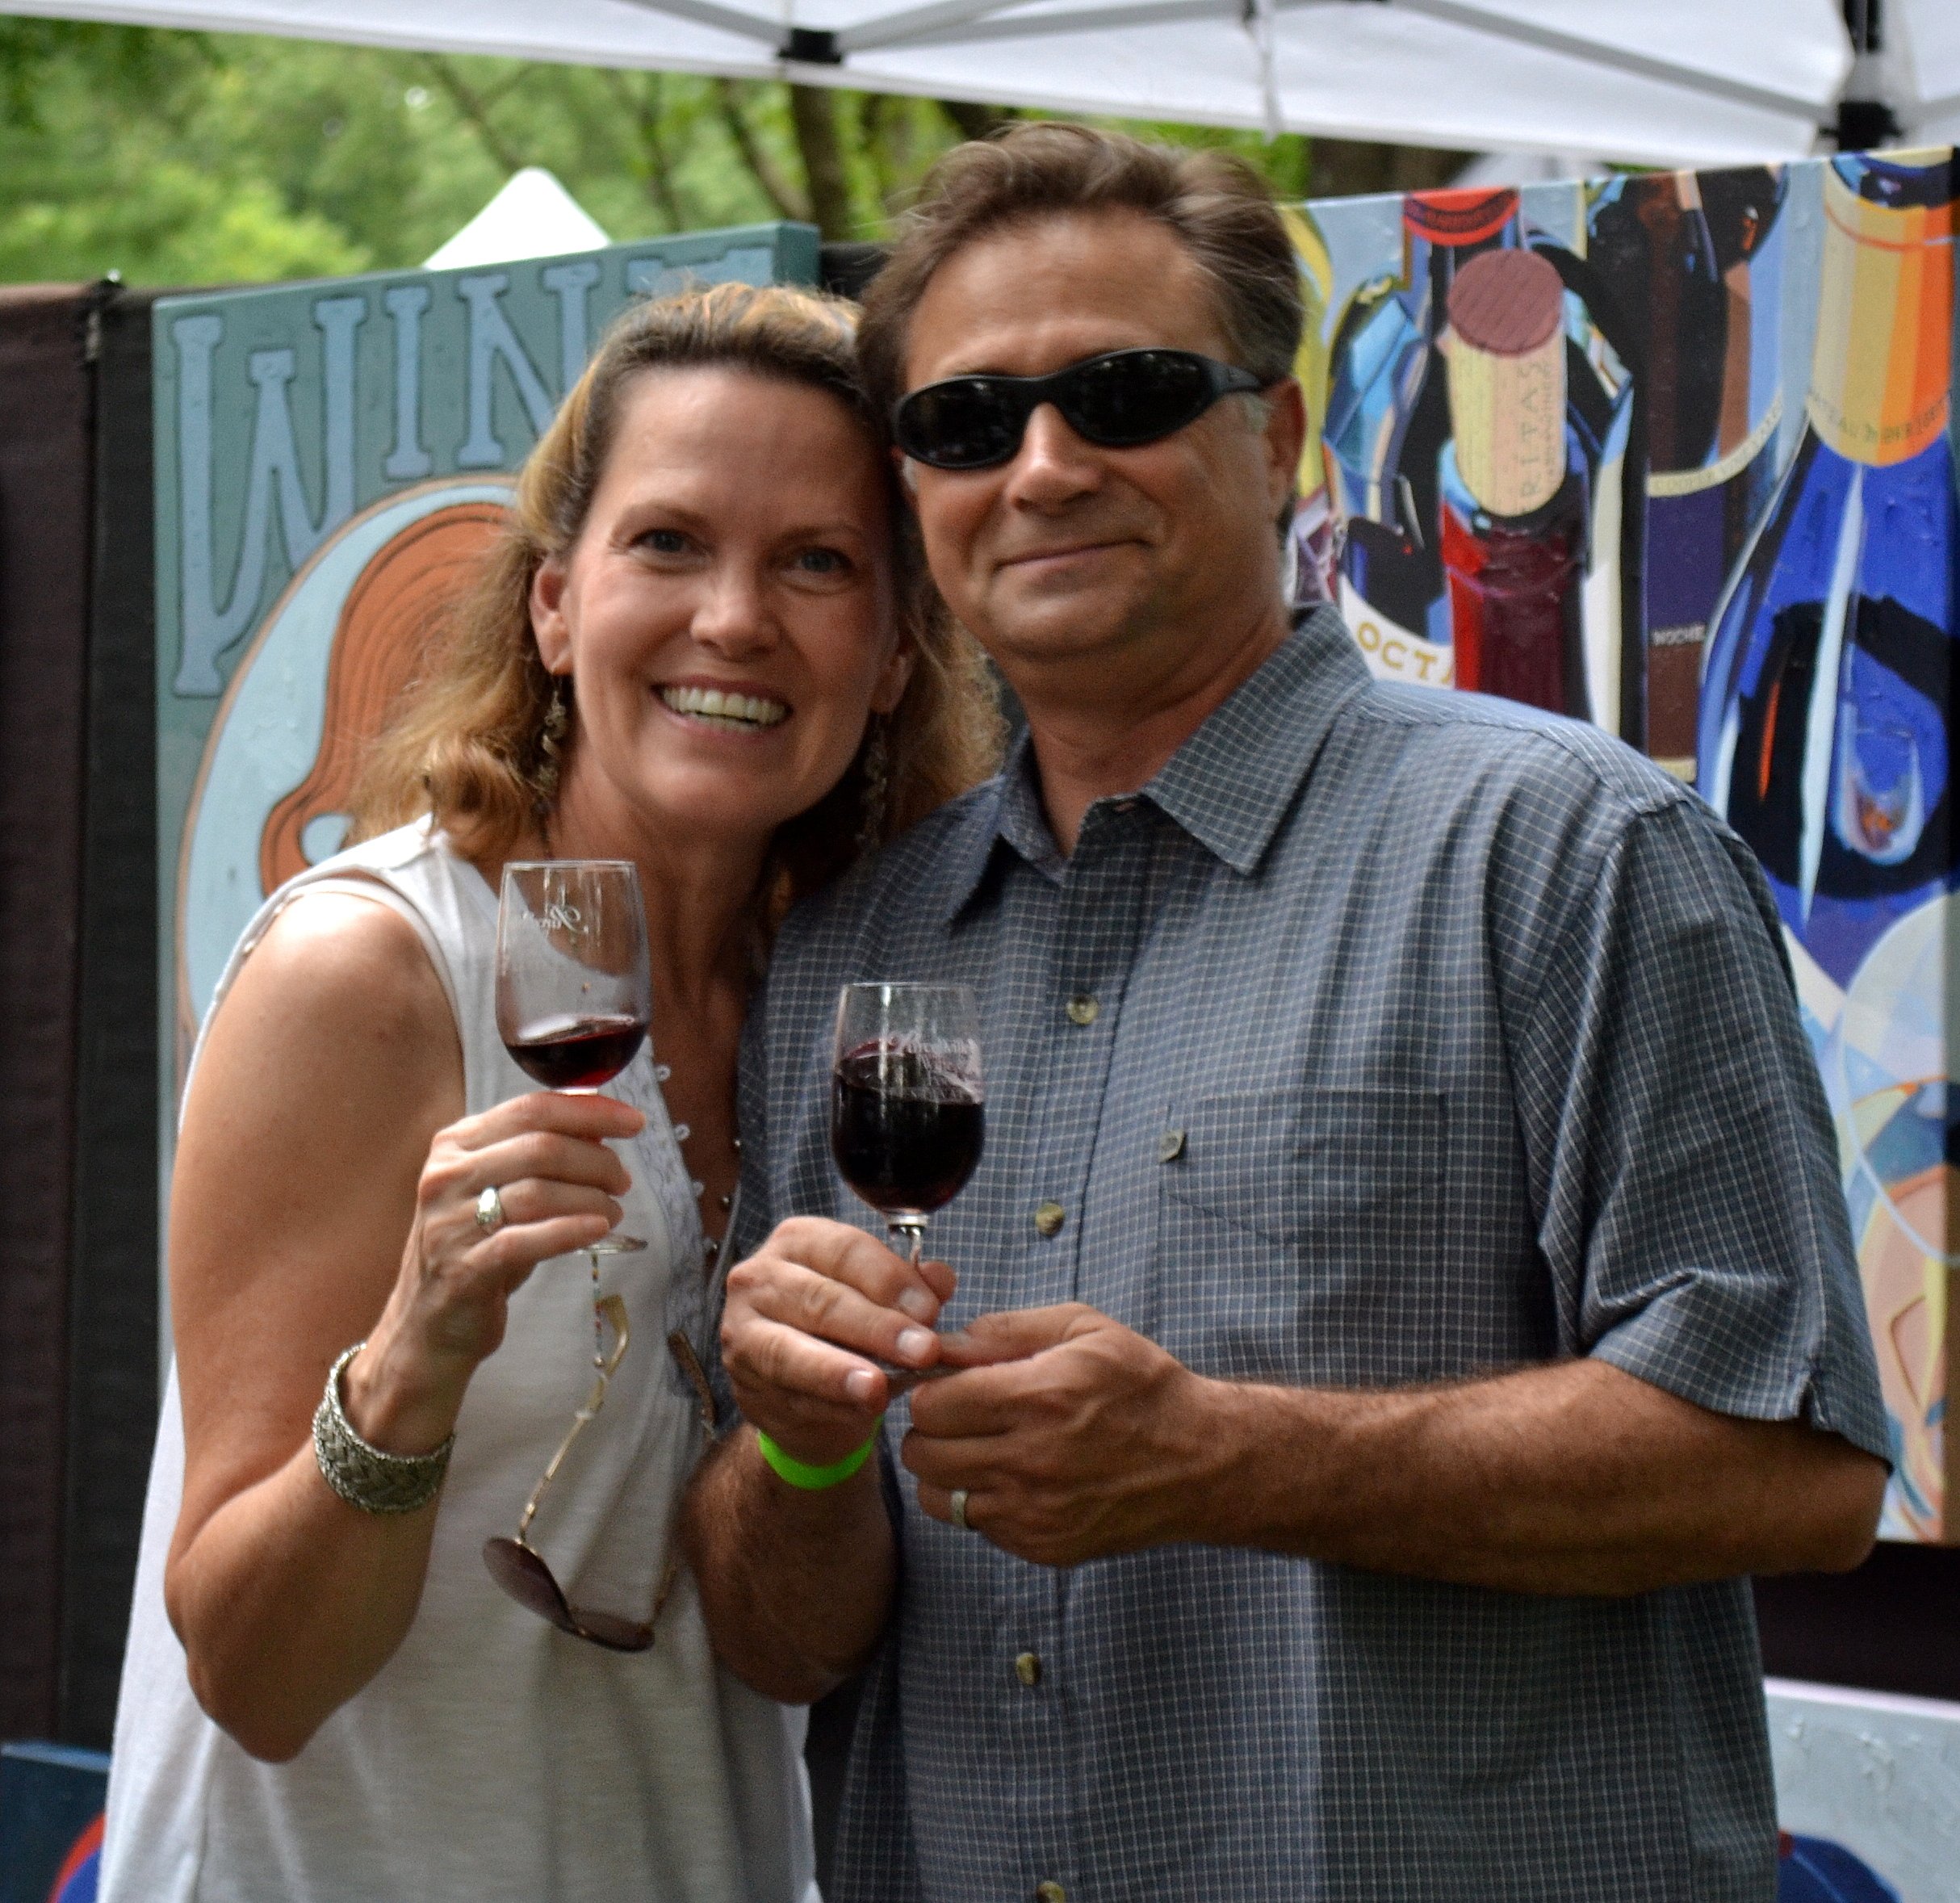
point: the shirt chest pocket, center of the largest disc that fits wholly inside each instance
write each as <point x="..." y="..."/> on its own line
<point x="1296" y="1233"/>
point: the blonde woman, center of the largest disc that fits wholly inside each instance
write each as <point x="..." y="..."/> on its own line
<point x="382" y="1325"/>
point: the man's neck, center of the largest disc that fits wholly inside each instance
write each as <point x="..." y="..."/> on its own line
<point x="1095" y="738"/>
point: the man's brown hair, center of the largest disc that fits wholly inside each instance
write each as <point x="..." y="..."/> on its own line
<point x="1216" y="203"/>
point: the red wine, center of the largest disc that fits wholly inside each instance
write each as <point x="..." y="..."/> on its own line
<point x="907" y="1134"/>
<point x="576" y="1053"/>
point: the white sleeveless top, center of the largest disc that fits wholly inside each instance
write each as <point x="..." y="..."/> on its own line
<point x="492" y="1760"/>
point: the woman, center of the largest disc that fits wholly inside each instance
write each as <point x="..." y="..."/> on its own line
<point x="693" y="651"/>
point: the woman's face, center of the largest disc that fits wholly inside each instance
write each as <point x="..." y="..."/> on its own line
<point x="727" y="612"/>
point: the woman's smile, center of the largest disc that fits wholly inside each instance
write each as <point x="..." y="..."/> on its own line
<point x="723" y="709"/>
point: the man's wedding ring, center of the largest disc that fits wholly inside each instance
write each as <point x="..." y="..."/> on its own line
<point x="959" y="1509"/>
<point x="489" y="1211"/>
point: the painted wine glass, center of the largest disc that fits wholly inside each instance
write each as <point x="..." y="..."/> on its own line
<point x="907" y="1102"/>
<point x="573" y="998"/>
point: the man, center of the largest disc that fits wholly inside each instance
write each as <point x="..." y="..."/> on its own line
<point x="1406" y="1287"/>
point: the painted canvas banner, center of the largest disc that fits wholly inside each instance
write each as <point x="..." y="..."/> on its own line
<point x="1867" y="1794"/>
<point x="331" y="459"/>
<point x="1675" y="453"/>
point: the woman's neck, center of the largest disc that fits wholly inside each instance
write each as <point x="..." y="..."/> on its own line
<point x="699" y="889"/>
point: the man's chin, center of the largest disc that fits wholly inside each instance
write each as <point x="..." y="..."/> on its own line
<point x="1054" y="626"/>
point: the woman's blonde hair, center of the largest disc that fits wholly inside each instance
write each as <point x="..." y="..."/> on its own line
<point x="476" y="742"/>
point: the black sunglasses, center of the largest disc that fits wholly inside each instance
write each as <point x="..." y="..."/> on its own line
<point x="1118" y="401"/>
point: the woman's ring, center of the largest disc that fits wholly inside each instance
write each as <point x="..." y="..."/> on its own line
<point x="959" y="1509"/>
<point x="489" y="1211"/>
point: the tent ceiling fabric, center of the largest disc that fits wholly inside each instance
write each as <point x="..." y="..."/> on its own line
<point x="1664" y="81"/>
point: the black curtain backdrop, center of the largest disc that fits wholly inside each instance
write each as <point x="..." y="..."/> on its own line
<point x="112" y="1391"/>
<point x="44" y="512"/>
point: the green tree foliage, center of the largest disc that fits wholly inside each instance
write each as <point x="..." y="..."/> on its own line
<point x="193" y="158"/>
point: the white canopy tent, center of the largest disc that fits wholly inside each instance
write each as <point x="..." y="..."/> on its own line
<point x="1658" y="82"/>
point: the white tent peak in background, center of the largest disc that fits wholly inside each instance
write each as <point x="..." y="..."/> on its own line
<point x="1491" y="169"/>
<point x="532" y="216"/>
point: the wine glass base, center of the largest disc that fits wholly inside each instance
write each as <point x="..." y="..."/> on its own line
<point x="615" y="1244"/>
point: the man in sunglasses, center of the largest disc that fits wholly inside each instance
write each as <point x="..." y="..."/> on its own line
<point x="1406" y="1288"/>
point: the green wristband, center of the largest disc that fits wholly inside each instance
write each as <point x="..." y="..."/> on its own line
<point x="814" y="1480"/>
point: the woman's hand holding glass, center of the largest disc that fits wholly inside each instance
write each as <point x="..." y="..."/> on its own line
<point x="558" y="1186"/>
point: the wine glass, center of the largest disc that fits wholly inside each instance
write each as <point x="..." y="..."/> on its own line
<point x="573" y="1002"/>
<point x="573" y="997"/>
<point x="908" y="1104"/>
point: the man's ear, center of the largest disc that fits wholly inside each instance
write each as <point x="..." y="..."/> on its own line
<point x="1286" y="436"/>
<point x="549" y="627"/>
<point x="908" y="474"/>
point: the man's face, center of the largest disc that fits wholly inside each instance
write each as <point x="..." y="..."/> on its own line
<point x="1070" y="551"/>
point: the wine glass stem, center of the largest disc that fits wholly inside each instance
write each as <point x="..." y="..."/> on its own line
<point x="915" y="1227"/>
<point x="598" y="1318"/>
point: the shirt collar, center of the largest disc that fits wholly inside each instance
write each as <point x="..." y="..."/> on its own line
<point x="1228" y="786"/>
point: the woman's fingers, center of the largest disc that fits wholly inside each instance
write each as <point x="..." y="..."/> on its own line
<point x="507" y="1258"/>
<point x="594" y="1118"/>
<point x="532" y="1200"/>
<point x="455" y="1176"/>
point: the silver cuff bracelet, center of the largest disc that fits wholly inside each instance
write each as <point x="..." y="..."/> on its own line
<point x="364" y="1476"/>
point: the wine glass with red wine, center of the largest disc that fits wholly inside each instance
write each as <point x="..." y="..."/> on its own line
<point x="908" y="1104"/>
<point x="573" y="998"/>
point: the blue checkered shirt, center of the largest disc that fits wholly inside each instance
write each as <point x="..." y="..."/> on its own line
<point x="1432" y="1036"/>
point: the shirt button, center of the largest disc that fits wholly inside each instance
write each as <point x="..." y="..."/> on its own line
<point x="1049" y="1217"/>
<point x="1170" y="1145"/>
<point x="1050" y="1892"/>
<point x="1028" y="1669"/>
<point x="1082" y="1009"/>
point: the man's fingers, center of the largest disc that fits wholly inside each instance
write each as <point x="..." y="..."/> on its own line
<point x="975" y="1403"/>
<point x="969" y="1461"/>
<point x="795" y="1370"/>
<point x="1016" y="1334"/>
<point x="788" y="1293"/>
<point x="846" y="1255"/>
<point x="936" y="1503"/>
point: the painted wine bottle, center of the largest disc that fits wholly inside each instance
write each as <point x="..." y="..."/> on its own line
<point x="1693" y="262"/>
<point x="1388" y="424"/>
<point x="1513" y="490"/>
<point x="1829" y="688"/>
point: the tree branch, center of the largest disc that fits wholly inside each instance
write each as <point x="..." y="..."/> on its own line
<point x="474" y="113"/>
<point x="775" y="187"/>
<point x="975" y="122"/>
<point x="641" y="105"/>
<point x="813" y="111"/>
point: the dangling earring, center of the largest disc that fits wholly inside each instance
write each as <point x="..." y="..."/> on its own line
<point x="876" y="794"/>
<point x="557" y="717"/>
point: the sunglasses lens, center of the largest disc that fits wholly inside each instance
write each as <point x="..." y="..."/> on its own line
<point x="965" y="424"/>
<point x="528" y="1580"/>
<point x="1136" y="397"/>
<point x="616" y="1635"/>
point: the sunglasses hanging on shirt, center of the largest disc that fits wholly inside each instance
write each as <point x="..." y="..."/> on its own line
<point x="1118" y="401"/>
